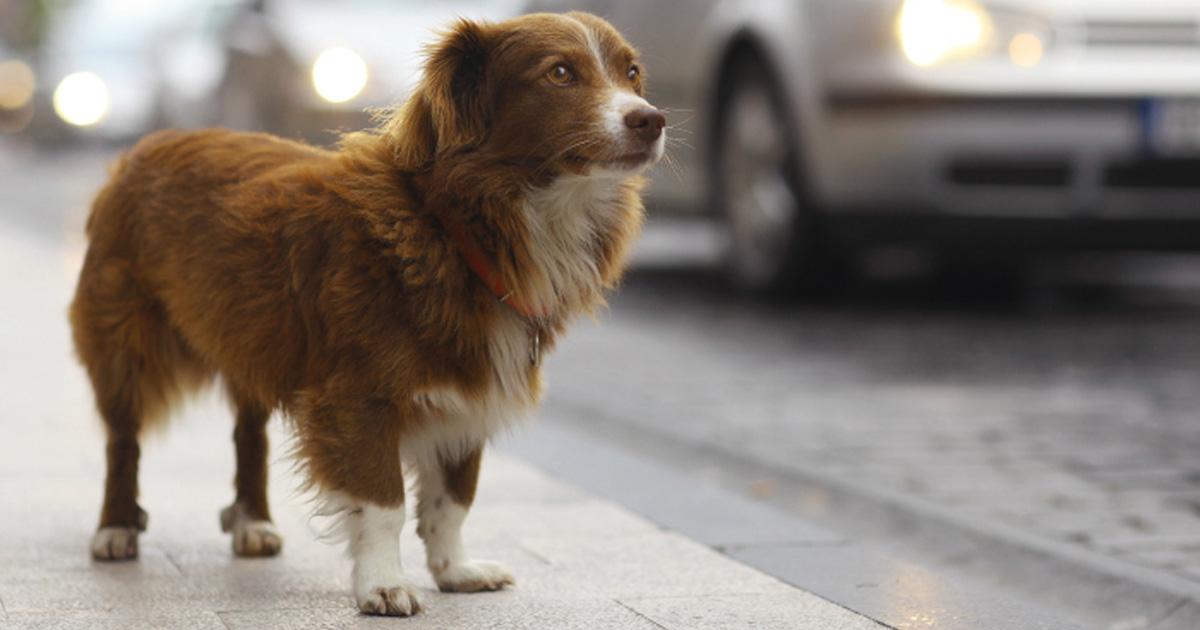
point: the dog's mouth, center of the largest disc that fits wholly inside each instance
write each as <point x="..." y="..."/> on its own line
<point x="630" y="160"/>
<point x="626" y="162"/>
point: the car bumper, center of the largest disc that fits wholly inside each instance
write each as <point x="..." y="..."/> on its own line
<point x="920" y="227"/>
<point x="1004" y="157"/>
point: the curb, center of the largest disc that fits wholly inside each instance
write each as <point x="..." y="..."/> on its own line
<point x="856" y="575"/>
<point x="1107" y="593"/>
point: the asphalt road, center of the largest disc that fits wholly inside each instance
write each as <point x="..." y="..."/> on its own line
<point x="1065" y="413"/>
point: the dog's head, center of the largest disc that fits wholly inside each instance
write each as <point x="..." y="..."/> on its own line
<point x="556" y="94"/>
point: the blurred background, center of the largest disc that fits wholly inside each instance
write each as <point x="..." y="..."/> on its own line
<point x="939" y="250"/>
<point x="816" y="142"/>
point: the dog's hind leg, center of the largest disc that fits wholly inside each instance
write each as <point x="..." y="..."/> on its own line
<point x="121" y="518"/>
<point x="137" y="364"/>
<point x="446" y="489"/>
<point x="249" y="518"/>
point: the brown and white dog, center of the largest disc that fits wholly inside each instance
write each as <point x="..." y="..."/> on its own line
<point x="393" y="298"/>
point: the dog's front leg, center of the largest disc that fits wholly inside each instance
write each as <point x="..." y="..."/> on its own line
<point x="380" y="587"/>
<point x="446" y="491"/>
<point x="350" y="447"/>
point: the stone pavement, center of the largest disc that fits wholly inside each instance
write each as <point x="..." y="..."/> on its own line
<point x="1077" y="429"/>
<point x="579" y="561"/>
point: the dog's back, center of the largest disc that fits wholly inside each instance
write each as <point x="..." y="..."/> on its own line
<point x="159" y="228"/>
<point x="172" y="219"/>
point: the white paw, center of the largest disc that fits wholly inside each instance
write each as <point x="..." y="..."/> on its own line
<point x="115" y="543"/>
<point x="251" y="538"/>
<point x="473" y="576"/>
<point x="256" y="539"/>
<point x="399" y="600"/>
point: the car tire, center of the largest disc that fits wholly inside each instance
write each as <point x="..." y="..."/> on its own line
<point x="773" y="245"/>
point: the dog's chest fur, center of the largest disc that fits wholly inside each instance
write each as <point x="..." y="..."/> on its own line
<point x="564" y="222"/>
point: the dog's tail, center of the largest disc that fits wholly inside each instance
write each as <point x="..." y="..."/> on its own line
<point x="138" y="364"/>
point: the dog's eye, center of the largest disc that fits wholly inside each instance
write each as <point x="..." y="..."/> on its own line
<point x="634" y="72"/>
<point x="560" y="75"/>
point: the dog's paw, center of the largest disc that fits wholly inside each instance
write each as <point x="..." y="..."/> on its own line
<point x="390" y="601"/>
<point x="251" y="538"/>
<point x="115" y="543"/>
<point x="256" y="539"/>
<point x="473" y="577"/>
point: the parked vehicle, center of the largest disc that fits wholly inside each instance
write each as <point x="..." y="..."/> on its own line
<point x="302" y="67"/>
<point x="961" y="124"/>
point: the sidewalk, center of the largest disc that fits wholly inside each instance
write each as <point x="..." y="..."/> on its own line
<point x="579" y="561"/>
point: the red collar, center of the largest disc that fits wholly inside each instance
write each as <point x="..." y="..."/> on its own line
<point x="479" y="263"/>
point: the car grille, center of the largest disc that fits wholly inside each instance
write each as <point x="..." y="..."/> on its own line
<point x="1155" y="173"/>
<point x="1135" y="173"/>
<point x="1162" y="34"/>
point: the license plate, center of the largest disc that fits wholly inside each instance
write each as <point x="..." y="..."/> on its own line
<point x="1172" y="126"/>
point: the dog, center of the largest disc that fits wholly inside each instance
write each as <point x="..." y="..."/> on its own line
<point x="393" y="297"/>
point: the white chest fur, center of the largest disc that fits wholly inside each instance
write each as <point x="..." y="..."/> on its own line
<point x="457" y="423"/>
<point x="563" y="221"/>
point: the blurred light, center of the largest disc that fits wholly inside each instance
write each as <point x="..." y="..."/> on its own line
<point x="932" y="31"/>
<point x="1026" y="50"/>
<point x="17" y="84"/>
<point x="81" y="99"/>
<point x="339" y="74"/>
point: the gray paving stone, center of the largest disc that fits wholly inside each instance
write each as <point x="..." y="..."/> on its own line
<point x="668" y="497"/>
<point x="896" y="592"/>
<point x="104" y="591"/>
<point x="672" y="566"/>
<point x="716" y="612"/>
<point x="495" y="610"/>
<point x="1185" y="617"/>
<point x="94" y="620"/>
<point x="595" y="519"/>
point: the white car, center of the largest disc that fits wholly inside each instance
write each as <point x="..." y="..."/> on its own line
<point x="303" y="67"/>
<point x="967" y="124"/>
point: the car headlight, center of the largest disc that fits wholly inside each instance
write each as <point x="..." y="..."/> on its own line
<point x="17" y="84"/>
<point x="339" y="75"/>
<point x="933" y="31"/>
<point x="81" y="99"/>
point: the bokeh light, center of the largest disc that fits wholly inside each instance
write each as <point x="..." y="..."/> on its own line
<point x="81" y="99"/>
<point x="1026" y="50"/>
<point x="339" y="75"/>
<point x="17" y="83"/>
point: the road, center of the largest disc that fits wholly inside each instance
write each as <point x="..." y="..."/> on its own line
<point x="1066" y="416"/>
<point x="1078" y="424"/>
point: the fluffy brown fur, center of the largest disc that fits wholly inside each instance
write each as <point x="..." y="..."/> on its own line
<point x="323" y="283"/>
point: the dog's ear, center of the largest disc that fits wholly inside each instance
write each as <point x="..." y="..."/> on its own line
<point x="449" y="110"/>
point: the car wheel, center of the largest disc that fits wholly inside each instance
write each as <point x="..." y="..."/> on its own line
<point x="771" y="240"/>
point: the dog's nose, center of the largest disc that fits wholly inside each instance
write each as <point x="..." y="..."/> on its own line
<point x="646" y="122"/>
